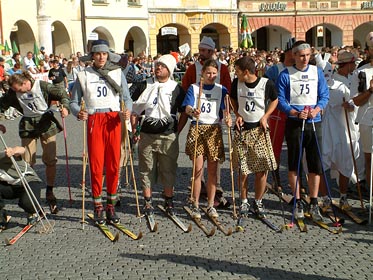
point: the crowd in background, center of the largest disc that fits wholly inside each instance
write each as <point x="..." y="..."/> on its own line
<point x="141" y="66"/>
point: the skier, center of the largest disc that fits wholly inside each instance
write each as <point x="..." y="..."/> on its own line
<point x="155" y="127"/>
<point x="33" y="99"/>
<point x="252" y="145"/>
<point x="11" y="186"/>
<point x="102" y="87"/>
<point x="209" y="138"/>
<point x="298" y="86"/>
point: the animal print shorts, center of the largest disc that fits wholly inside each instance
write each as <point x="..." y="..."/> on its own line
<point x="209" y="142"/>
<point x="253" y="151"/>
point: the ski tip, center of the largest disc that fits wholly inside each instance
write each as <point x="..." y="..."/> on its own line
<point x="189" y="229"/>
<point x="212" y="232"/>
<point x="229" y="232"/>
<point x="116" y="237"/>
<point x="139" y="236"/>
<point x="155" y="228"/>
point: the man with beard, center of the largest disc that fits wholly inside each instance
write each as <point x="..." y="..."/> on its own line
<point x="158" y="138"/>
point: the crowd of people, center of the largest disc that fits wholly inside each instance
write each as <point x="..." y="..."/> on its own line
<point x="314" y="99"/>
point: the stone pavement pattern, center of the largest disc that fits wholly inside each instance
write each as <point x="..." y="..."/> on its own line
<point x="257" y="253"/>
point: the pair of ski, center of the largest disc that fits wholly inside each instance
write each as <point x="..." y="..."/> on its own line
<point x="153" y="225"/>
<point x="113" y="238"/>
<point x="21" y="233"/>
<point x="300" y="222"/>
<point x="215" y="221"/>
<point x="241" y="221"/>
<point x="349" y="213"/>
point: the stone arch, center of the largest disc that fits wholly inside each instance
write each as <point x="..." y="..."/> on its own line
<point x="104" y="34"/>
<point x="61" y="42"/>
<point x="332" y="35"/>
<point x="219" y="33"/>
<point x="135" y="41"/>
<point x="278" y="36"/>
<point x="360" y="32"/>
<point x="171" y="42"/>
<point x="23" y="36"/>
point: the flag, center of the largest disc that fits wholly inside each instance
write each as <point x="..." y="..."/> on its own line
<point x="246" y="40"/>
<point x="6" y="48"/>
<point x="14" y="47"/>
<point x="36" y="54"/>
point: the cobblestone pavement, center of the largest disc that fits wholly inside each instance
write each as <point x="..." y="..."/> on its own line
<point x="257" y="253"/>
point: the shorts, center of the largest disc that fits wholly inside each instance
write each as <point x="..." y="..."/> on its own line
<point x="293" y="133"/>
<point x="158" y="154"/>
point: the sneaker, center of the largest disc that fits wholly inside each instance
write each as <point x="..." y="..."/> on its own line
<point x="99" y="215"/>
<point x="259" y="209"/>
<point x="244" y="209"/>
<point x="111" y="217"/>
<point x="315" y="213"/>
<point x="32" y="219"/>
<point x="148" y="209"/>
<point x="196" y="213"/>
<point x="52" y="202"/>
<point x="299" y="213"/>
<point x="343" y="204"/>
<point x="169" y="207"/>
<point x="326" y="203"/>
<point x="211" y="211"/>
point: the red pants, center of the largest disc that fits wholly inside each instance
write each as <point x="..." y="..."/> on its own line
<point x="277" y="122"/>
<point x="104" y="138"/>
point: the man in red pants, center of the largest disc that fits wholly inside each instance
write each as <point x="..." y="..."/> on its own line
<point x="102" y="86"/>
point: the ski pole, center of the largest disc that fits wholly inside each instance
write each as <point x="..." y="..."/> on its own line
<point x="31" y="196"/>
<point x="285" y="226"/>
<point x="82" y="108"/>
<point x="239" y="227"/>
<point x="196" y="140"/>
<point x="227" y="105"/>
<point x="353" y="158"/>
<point x="123" y="108"/>
<point x="66" y="154"/>
<point x="335" y="222"/>
<point x="298" y="173"/>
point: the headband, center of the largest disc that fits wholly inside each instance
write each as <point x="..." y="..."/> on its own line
<point x="301" y="47"/>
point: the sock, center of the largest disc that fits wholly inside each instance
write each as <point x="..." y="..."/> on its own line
<point x="97" y="201"/>
<point x="258" y="201"/>
<point x="313" y="201"/>
<point x="111" y="198"/>
<point x="49" y="189"/>
<point x="148" y="200"/>
<point x="244" y="201"/>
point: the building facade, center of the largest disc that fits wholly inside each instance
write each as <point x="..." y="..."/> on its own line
<point x="320" y="23"/>
<point x="153" y="26"/>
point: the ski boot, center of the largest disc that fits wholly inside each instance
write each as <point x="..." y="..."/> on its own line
<point x="111" y="217"/>
<point x="211" y="211"/>
<point x="99" y="215"/>
<point x="259" y="209"/>
<point x="169" y="207"/>
<point x="315" y="213"/>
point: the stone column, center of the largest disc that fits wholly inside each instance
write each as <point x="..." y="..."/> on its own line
<point x="45" y="33"/>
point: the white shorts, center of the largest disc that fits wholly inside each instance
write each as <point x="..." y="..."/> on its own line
<point x="366" y="138"/>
